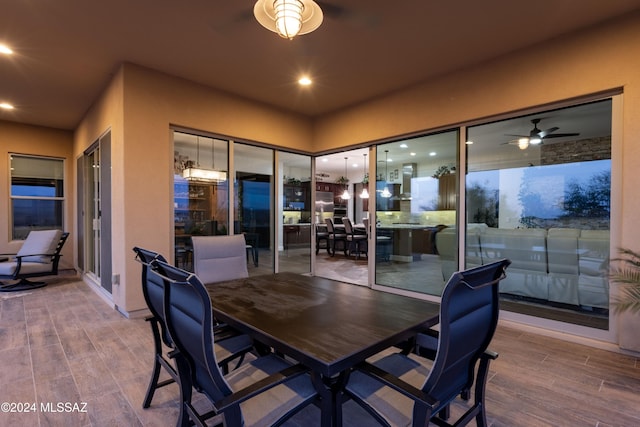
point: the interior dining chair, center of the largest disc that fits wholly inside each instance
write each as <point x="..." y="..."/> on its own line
<point x="356" y="241"/>
<point x="265" y="391"/>
<point x="322" y="237"/>
<point x="227" y="350"/>
<point x="335" y="236"/>
<point x="38" y="256"/>
<point x="400" y="390"/>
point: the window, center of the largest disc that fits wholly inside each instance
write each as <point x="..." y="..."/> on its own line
<point x="37" y="194"/>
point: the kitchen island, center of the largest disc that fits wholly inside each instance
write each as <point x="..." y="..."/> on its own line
<point x="410" y="240"/>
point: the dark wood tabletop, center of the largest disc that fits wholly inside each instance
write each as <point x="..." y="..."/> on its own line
<point x="327" y="325"/>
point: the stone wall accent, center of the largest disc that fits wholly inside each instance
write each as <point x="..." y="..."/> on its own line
<point x="582" y="150"/>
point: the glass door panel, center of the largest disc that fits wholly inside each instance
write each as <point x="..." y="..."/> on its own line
<point x="294" y="213"/>
<point x="253" y="204"/>
<point x="416" y="211"/>
<point x="201" y="195"/>
<point x="538" y="191"/>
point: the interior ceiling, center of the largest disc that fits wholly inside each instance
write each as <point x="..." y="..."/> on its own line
<point x="66" y="51"/>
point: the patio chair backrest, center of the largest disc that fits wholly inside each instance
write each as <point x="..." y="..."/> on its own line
<point x="468" y="319"/>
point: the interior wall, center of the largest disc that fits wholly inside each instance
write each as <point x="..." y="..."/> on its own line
<point x="40" y="141"/>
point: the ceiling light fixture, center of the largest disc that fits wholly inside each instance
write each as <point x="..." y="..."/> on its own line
<point x="288" y="18"/>
<point x="523" y="143"/>
<point x="345" y="195"/>
<point x="5" y="49"/>
<point x="304" y="81"/>
<point x="196" y="173"/>
<point x="365" y="193"/>
<point x="385" y="192"/>
<point x="6" y="106"/>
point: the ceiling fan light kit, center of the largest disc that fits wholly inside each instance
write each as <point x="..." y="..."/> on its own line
<point x="288" y="18"/>
<point x="537" y="136"/>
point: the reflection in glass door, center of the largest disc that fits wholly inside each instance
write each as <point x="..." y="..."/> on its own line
<point x="294" y="213"/>
<point x="416" y="211"/>
<point x="252" y="212"/>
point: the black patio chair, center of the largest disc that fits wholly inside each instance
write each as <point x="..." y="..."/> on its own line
<point x="153" y="287"/>
<point x="398" y="390"/>
<point x="269" y="388"/>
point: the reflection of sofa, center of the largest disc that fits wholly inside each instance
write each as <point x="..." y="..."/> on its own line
<point x="562" y="265"/>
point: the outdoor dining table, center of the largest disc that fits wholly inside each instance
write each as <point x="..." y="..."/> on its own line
<point x="328" y="326"/>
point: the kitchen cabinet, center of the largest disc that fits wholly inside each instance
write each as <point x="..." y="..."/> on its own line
<point x="297" y="197"/>
<point x="297" y="235"/>
<point x="447" y="192"/>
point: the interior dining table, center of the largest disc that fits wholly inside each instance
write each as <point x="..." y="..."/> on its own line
<point x="328" y="326"/>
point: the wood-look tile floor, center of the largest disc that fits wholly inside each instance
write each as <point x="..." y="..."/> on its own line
<point x="62" y="343"/>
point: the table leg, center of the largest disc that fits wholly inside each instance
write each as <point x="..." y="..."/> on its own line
<point x="331" y="396"/>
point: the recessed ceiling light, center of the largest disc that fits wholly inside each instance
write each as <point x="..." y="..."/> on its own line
<point x="6" y="106"/>
<point x="5" y="49"/>
<point x="433" y="153"/>
<point x="403" y="145"/>
<point x="412" y="154"/>
<point x="304" y="81"/>
<point x="469" y="142"/>
<point x="325" y="160"/>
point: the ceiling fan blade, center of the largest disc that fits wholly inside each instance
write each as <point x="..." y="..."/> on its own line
<point x="544" y="133"/>
<point x="560" y="135"/>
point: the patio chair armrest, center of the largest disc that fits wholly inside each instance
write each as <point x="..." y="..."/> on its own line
<point x="397" y="384"/>
<point x="488" y="354"/>
<point x="28" y="255"/>
<point x="260" y="386"/>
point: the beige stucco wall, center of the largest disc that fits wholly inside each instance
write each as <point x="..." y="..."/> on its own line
<point x="23" y="139"/>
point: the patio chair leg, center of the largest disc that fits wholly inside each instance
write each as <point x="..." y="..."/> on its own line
<point x="22" y="285"/>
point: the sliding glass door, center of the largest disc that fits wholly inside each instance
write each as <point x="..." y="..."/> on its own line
<point x="538" y="191"/>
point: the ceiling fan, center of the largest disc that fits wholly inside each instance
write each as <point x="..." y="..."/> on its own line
<point x="537" y="136"/>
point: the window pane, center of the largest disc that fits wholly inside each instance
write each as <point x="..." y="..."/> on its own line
<point x="295" y="210"/>
<point x="201" y="188"/>
<point x="34" y="176"/>
<point x="33" y="214"/>
<point x="538" y="192"/>
<point x="33" y="181"/>
<point x="253" y="203"/>
<point x="416" y="205"/>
